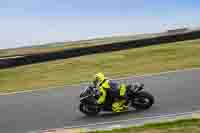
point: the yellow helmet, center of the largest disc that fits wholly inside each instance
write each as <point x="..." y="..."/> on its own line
<point x="100" y="77"/>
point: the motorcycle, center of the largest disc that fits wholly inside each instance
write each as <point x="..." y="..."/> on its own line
<point x="137" y="99"/>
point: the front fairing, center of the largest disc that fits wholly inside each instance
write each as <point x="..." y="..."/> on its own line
<point x="84" y="93"/>
<point x="88" y="95"/>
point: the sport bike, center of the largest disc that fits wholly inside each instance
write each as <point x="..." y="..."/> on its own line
<point x="137" y="99"/>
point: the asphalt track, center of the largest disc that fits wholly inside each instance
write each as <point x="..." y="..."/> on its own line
<point x="55" y="108"/>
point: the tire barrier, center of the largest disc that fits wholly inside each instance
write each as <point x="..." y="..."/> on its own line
<point x="75" y="52"/>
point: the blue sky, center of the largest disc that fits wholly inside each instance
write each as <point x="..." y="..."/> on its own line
<point x="31" y="22"/>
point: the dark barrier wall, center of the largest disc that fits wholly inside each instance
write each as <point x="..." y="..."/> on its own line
<point x="69" y="53"/>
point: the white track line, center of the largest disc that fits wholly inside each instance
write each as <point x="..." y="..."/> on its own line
<point x="136" y="119"/>
<point x="134" y="76"/>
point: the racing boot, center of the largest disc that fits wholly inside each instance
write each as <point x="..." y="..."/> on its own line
<point x="119" y="106"/>
<point x="124" y="105"/>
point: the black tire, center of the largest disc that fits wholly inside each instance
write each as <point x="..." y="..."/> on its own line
<point x="143" y="96"/>
<point x="88" y="112"/>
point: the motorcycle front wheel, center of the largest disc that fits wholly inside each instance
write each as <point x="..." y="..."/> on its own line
<point x="88" y="109"/>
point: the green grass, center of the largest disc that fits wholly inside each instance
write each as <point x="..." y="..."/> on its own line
<point x="114" y="64"/>
<point x="179" y="126"/>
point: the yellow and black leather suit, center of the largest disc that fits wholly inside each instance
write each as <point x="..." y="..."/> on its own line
<point x="104" y="85"/>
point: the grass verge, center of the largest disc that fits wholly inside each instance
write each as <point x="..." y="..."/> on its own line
<point x="150" y="59"/>
<point x="179" y="126"/>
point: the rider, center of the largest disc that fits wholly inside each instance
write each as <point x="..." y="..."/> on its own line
<point x="104" y="85"/>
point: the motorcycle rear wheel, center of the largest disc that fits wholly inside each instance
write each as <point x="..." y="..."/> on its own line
<point x="143" y="100"/>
